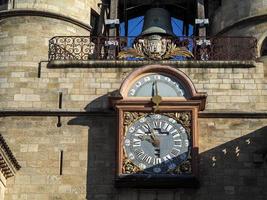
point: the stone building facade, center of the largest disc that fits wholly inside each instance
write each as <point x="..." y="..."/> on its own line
<point x="57" y="121"/>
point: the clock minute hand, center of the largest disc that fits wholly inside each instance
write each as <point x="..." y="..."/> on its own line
<point x="156" y="88"/>
<point x="156" y="99"/>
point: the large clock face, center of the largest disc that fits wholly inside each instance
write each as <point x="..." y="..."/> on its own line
<point x="167" y="86"/>
<point x="156" y="143"/>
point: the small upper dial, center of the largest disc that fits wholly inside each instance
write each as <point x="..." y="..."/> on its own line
<point x="167" y="86"/>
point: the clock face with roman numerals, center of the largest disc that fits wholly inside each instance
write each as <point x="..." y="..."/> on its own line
<point x="156" y="144"/>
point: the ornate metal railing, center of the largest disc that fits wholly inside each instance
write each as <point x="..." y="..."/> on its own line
<point x="84" y="48"/>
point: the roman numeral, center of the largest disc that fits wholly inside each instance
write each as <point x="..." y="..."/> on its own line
<point x="131" y="129"/>
<point x="139" y="132"/>
<point x="178" y="143"/>
<point x="147" y="158"/>
<point x="139" y="152"/>
<point x="169" y="127"/>
<point x="167" y="157"/>
<point x="182" y="129"/>
<point x="165" y="125"/>
<point x="155" y="123"/>
<point x="136" y="142"/>
<point x="157" y="161"/>
<point x="146" y="127"/>
<point x="160" y="124"/>
<point x="176" y="135"/>
<point x="175" y="152"/>
<point x="186" y="143"/>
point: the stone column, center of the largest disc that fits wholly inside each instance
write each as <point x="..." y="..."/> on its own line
<point x="201" y="15"/>
<point x="113" y="29"/>
<point x="113" y="15"/>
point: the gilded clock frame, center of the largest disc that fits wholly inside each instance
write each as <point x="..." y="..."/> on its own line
<point x="173" y="106"/>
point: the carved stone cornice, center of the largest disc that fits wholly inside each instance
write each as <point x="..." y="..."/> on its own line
<point x="8" y="163"/>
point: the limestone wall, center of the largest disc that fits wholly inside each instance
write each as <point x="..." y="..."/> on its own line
<point x="226" y="145"/>
<point x="36" y="143"/>
<point x="77" y="9"/>
<point x="240" y="89"/>
<point x="22" y="47"/>
<point x="232" y="11"/>
<point x="227" y="168"/>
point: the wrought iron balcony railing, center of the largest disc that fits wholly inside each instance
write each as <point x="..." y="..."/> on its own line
<point x="83" y="48"/>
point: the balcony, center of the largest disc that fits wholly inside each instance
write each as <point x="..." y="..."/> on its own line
<point x="83" y="49"/>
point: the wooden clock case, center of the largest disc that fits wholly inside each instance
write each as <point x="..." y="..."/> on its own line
<point x="176" y="106"/>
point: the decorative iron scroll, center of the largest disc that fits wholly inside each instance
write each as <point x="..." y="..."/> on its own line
<point x="183" y="117"/>
<point x="155" y="47"/>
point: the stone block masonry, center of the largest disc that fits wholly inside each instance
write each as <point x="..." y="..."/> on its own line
<point x="86" y="89"/>
<point x="226" y="150"/>
<point x="227" y="146"/>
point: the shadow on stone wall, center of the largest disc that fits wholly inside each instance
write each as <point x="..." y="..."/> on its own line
<point x="101" y="155"/>
<point x="234" y="170"/>
<point x="101" y="150"/>
<point x="101" y="103"/>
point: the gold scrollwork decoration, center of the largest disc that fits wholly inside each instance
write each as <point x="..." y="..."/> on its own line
<point x="130" y="117"/>
<point x="129" y="167"/>
<point x="184" y="168"/>
<point x="184" y="118"/>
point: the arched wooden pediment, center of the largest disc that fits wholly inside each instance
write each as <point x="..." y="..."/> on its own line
<point x="137" y="87"/>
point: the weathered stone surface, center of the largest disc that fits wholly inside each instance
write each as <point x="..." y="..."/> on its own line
<point x="227" y="168"/>
<point x="226" y="158"/>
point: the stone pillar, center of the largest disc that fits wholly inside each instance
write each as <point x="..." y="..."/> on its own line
<point x="113" y="29"/>
<point x="113" y="15"/>
<point x="201" y="15"/>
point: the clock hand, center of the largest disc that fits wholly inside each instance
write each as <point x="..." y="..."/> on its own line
<point x="153" y="89"/>
<point x="145" y="137"/>
<point x="156" y="99"/>
<point x="156" y="88"/>
<point x="155" y="139"/>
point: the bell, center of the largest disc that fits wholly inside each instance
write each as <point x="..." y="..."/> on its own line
<point x="157" y="21"/>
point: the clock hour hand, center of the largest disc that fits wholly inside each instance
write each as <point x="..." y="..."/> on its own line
<point x="144" y="137"/>
<point x="152" y="138"/>
<point x="155" y="139"/>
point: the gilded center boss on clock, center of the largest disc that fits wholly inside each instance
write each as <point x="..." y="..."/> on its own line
<point x="156" y="143"/>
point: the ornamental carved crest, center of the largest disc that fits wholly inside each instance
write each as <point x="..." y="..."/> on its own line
<point x="154" y="47"/>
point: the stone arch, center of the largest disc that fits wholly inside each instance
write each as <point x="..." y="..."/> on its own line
<point x="263" y="50"/>
<point x="262" y="41"/>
